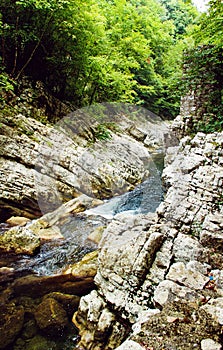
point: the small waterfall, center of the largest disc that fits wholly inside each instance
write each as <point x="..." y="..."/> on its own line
<point x="145" y="198"/>
<point x="57" y="254"/>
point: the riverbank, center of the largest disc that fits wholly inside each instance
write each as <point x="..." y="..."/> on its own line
<point x="39" y="279"/>
<point x="159" y="278"/>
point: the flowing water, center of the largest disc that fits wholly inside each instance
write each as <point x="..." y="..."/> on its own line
<point x="56" y="255"/>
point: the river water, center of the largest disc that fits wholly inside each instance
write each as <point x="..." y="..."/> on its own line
<point x="56" y="255"/>
<point x="53" y="257"/>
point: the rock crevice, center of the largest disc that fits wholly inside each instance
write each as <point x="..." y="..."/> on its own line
<point x="173" y="257"/>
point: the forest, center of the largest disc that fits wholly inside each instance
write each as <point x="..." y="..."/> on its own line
<point x="92" y="51"/>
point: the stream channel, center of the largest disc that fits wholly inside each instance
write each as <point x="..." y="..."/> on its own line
<point x="54" y="256"/>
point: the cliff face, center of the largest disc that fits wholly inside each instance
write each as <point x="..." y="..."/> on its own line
<point x="160" y="276"/>
<point x="45" y="166"/>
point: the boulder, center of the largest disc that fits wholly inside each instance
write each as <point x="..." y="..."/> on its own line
<point x="69" y="302"/>
<point x="51" y="317"/>
<point x="187" y="277"/>
<point x="214" y="307"/>
<point x="209" y="344"/>
<point x="64" y="283"/>
<point x="12" y="318"/>
<point x="17" y="220"/>
<point x="87" y="267"/>
<point x="19" y="240"/>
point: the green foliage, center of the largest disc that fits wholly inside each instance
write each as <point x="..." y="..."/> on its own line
<point x="181" y="13"/>
<point x="97" y="50"/>
<point x="102" y="132"/>
<point x="210" y="27"/>
<point x="6" y="87"/>
<point x="204" y="69"/>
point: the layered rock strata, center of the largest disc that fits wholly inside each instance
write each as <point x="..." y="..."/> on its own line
<point x="43" y="166"/>
<point x="160" y="278"/>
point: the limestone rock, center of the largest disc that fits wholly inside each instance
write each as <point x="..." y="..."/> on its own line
<point x="215" y="308"/>
<point x="19" y="240"/>
<point x="42" y="167"/>
<point x="186" y="248"/>
<point x="25" y="240"/>
<point x="169" y="291"/>
<point x="212" y="232"/>
<point x="189" y="278"/>
<point x="171" y="260"/>
<point x="17" y="220"/>
<point x="96" y="235"/>
<point x="87" y="267"/>
<point x="130" y="345"/>
<point x="209" y="344"/>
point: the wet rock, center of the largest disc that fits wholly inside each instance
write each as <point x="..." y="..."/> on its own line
<point x="64" y="283"/>
<point x="49" y="167"/>
<point x="51" y="317"/>
<point x="38" y="342"/>
<point x="6" y="273"/>
<point x="25" y="240"/>
<point x="19" y="240"/>
<point x="96" y="235"/>
<point x="87" y="267"/>
<point x="12" y="318"/>
<point x="69" y="302"/>
<point x="17" y="220"/>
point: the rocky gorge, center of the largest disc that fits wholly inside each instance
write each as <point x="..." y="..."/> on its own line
<point x="156" y="281"/>
<point x="42" y="168"/>
<point x="159" y="277"/>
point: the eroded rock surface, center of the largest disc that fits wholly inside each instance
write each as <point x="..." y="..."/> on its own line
<point x="170" y="260"/>
<point x="53" y="164"/>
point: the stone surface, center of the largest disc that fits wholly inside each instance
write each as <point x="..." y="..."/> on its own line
<point x="215" y="308"/>
<point x="96" y="235"/>
<point x="42" y="167"/>
<point x="87" y="267"/>
<point x="64" y="283"/>
<point x="19" y="240"/>
<point x="171" y="259"/>
<point x="169" y="291"/>
<point x="12" y="318"/>
<point x="209" y="344"/>
<point x="26" y="239"/>
<point x="189" y="278"/>
<point x="17" y="220"/>
<point x="51" y="317"/>
<point x="130" y="345"/>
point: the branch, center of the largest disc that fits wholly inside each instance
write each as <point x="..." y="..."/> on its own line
<point x="16" y="48"/>
<point x="34" y="49"/>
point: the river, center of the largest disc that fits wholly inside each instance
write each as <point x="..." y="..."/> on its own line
<point x="54" y="256"/>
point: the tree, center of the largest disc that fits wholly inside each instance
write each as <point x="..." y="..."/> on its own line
<point x="93" y="50"/>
